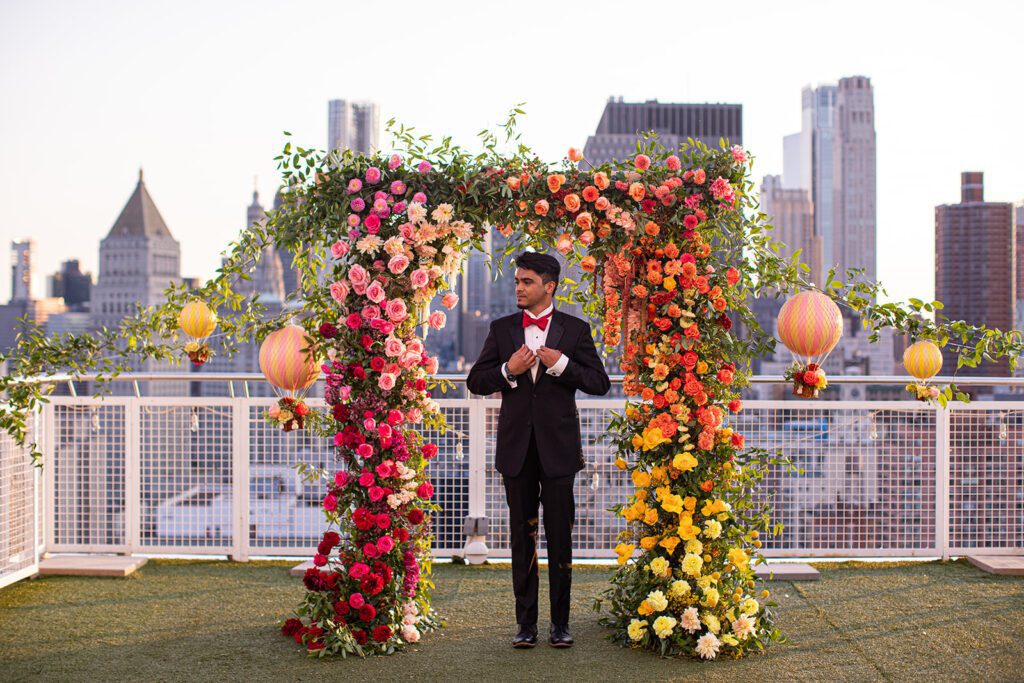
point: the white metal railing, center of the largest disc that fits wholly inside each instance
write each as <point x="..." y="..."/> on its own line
<point x="202" y="475"/>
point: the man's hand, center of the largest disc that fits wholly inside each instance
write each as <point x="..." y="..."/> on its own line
<point x="522" y="360"/>
<point x="548" y="356"/>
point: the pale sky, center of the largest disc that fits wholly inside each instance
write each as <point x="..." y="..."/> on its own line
<point x="198" y="94"/>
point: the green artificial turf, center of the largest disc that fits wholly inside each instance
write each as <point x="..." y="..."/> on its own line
<point x="214" y="620"/>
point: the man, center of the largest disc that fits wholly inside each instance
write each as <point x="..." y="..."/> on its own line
<point x="537" y="359"/>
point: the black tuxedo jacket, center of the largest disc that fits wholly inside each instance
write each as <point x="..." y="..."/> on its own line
<point x="547" y="407"/>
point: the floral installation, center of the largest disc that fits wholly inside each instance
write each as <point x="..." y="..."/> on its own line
<point x="926" y="393"/>
<point x="289" y="413"/>
<point x="807" y="380"/>
<point x="198" y="352"/>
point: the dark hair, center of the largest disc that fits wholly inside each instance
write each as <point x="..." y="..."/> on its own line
<point x="543" y="264"/>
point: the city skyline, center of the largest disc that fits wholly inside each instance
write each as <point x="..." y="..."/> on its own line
<point x="919" y="125"/>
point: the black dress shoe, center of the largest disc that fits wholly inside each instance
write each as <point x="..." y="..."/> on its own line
<point x="527" y="636"/>
<point x="560" y="636"/>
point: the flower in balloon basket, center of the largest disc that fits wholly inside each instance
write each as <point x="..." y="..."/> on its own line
<point x="198" y="352"/>
<point x="807" y="380"/>
<point x="288" y="413"/>
<point x="926" y="393"/>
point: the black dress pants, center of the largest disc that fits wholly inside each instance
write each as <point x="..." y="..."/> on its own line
<point x="524" y="493"/>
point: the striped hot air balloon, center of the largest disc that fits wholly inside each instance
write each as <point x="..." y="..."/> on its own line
<point x="284" y="361"/>
<point x="923" y="359"/>
<point x="197" y="320"/>
<point x="810" y="325"/>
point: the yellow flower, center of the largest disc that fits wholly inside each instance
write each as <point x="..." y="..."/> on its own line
<point x="648" y="542"/>
<point x="711" y="597"/>
<point x="641" y="478"/>
<point x="663" y="626"/>
<point x="749" y="606"/>
<point x="284" y="416"/>
<point x="657" y="601"/>
<point x="738" y="557"/>
<point x="660" y="567"/>
<point x="687" y="530"/>
<point x="679" y="589"/>
<point x="651" y="518"/>
<point x="714" y="507"/>
<point x="694" y="546"/>
<point x="669" y="284"/>
<point x="645" y="609"/>
<point x="730" y="639"/>
<point x="692" y="564"/>
<point x="702" y="367"/>
<point x="712" y="622"/>
<point x="672" y="503"/>
<point x="624" y="551"/>
<point x="690" y="503"/>
<point x="620" y="463"/>
<point x="712" y="528"/>
<point x="191" y="347"/>
<point x="670" y="544"/>
<point x="658" y="474"/>
<point x="652" y="438"/>
<point x="637" y="628"/>
<point x="684" y="462"/>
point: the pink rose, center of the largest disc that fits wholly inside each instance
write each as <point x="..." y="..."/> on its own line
<point x="356" y="600"/>
<point x="431" y="365"/>
<point x="330" y="502"/>
<point x="339" y="290"/>
<point x="369" y="424"/>
<point x="372" y="223"/>
<point x="394" y="347"/>
<point x="437" y="319"/>
<point x="359" y="570"/>
<point x="385" y="544"/>
<point x="375" y="493"/>
<point x="673" y="163"/>
<point x="339" y="249"/>
<point x="398" y="263"/>
<point x="407" y="230"/>
<point x="274" y="411"/>
<point x="386" y="381"/>
<point x="394" y="417"/>
<point x="370" y="312"/>
<point x="358" y="275"/>
<point x="340" y="479"/>
<point x="366" y="479"/>
<point x="373" y="175"/>
<point x="375" y="292"/>
<point x="720" y="188"/>
<point x="385" y="469"/>
<point x="395" y="161"/>
<point x="364" y="450"/>
<point x="395" y="310"/>
<point x="420" y="278"/>
<point x="355" y="185"/>
<point x="414" y="415"/>
<point x="370" y="550"/>
<point x="738" y="155"/>
<point x="642" y="162"/>
<point x="385" y="431"/>
<point x="450" y="300"/>
<point x="415" y="345"/>
<point x="346" y="391"/>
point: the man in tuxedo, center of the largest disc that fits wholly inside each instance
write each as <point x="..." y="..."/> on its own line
<point x="537" y="359"/>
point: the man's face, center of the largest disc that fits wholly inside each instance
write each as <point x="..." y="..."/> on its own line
<point x="530" y="290"/>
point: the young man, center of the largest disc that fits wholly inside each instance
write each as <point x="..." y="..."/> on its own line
<point x="537" y="359"/>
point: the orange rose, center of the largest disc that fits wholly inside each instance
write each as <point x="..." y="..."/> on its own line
<point x="651" y="228"/>
<point x="587" y="237"/>
<point x="588" y="263"/>
<point x="603" y="231"/>
<point x="602" y="203"/>
<point x="671" y="250"/>
<point x="572" y="202"/>
<point x="720" y="304"/>
<point x="704" y="250"/>
<point x="637" y="191"/>
<point x="513" y="183"/>
<point x="541" y="207"/>
<point x="590" y="194"/>
<point x="584" y="220"/>
<point x="555" y="182"/>
<point x="689" y="269"/>
<point x="601" y="180"/>
<point x="575" y="155"/>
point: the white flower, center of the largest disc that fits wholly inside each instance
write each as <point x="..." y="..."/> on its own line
<point x="691" y="619"/>
<point x="416" y="212"/>
<point x="410" y="634"/>
<point x="443" y="213"/>
<point x="743" y="627"/>
<point x="707" y="646"/>
<point x="663" y="626"/>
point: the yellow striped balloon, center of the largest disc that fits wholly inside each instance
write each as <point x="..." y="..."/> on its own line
<point x="810" y="325"/>
<point x="284" y="362"/>
<point x="923" y="359"/>
<point x="197" y="320"/>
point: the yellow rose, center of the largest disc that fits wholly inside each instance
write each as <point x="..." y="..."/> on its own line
<point x="672" y="503"/>
<point x="694" y="546"/>
<point x="684" y="462"/>
<point x="636" y="629"/>
<point x="687" y="530"/>
<point x="692" y="564"/>
<point x="738" y="558"/>
<point x="620" y="463"/>
<point x="669" y="544"/>
<point x="702" y="367"/>
<point x="711" y="597"/>
<point x="712" y="528"/>
<point x="663" y="626"/>
<point x="679" y="589"/>
<point x="651" y="517"/>
<point x="645" y="609"/>
<point x="648" y="542"/>
<point x="658" y="474"/>
<point x="660" y="567"/>
<point x="711" y="621"/>
<point x="652" y="438"/>
<point x="749" y="606"/>
<point x="657" y="601"/>
<point x="624" y="551"/>
<point x="641" y="479"/>
<point x="690" y="503"/>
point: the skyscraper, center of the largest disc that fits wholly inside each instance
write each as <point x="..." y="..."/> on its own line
<point x="975" y="265"/>
<point x="21" y="270"/>
<point x="792" y="214"/>
<point x="353" y="125"/>
<point x="853" y="190"/>
<point x="72" y="285"/>
<point x="622" y="124"/>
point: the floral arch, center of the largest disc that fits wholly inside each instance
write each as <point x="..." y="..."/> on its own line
<point x="673" y="242"/>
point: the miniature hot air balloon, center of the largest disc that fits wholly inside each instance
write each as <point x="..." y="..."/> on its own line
<point x="288" y="366"/>
<point x="198" y="322"/>
<point x="923" y="360"/>
<point x="810" y="324"/>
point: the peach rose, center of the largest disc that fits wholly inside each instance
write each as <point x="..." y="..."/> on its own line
<point x="541" y="207"/>
<point x="602" y="203"/>
<point x="588" y="263"/>
<point x="601" y="180"/>
<point x="590" y="194"/>
<point x="572" y="202"/>
<point x="585" y="221"/>
<point x="575" y="155"/>
<point x="386" y="381"/>
<point x="642" y="162"/>
<point x="637" y="191"/>
<point x="450" y="300"/>
<point x="555" y="182"/>
<point x="513" y="183"/>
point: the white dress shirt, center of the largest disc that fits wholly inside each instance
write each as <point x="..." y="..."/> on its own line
<point x="536" y="338"/>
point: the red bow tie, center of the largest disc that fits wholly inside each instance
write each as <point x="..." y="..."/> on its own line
<point x="541" y="322"/>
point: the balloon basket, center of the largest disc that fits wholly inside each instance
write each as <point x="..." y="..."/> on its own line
<point x="804" y="391"/>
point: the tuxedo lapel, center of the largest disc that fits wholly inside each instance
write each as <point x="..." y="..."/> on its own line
<point x="555" y="329"/>
<point x="518" y="339"/>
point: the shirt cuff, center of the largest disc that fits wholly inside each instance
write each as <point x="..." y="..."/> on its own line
<point x="505" y="377"/>
<point x="559" y="367"/>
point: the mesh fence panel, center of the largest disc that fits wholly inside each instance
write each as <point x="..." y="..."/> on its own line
<point x="18" y="497"/>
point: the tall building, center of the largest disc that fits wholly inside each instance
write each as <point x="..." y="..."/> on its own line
<point x="975" y="265"/>
<point x="622" y="124"/>
<point x="72" y="285"/>
<point x="807" y="160"/>
<point x="21" y="270"/>
<point x="792" y="214"/>
<point x="854" y="187"/>
<point x="353" y="125"/>
<point x="268" y="274"/>
<point x="1019" y="230"/>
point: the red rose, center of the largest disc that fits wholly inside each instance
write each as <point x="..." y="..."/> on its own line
<point x="340" y="412"/>
<point x="737" y="440"/>
<point x="732" y="276"/>
<point x="324" y="548"/>
<point x="725" y="376"/>
<point x="415" y="516"/>
<point x="401" y="535"/>
<point x="810" y="377"/>
<point x="341" y="607"/>
<point x="360" y="636"/>
<point x="735" y="405"/>
<point x="302" y="410"/>
<point x="377" y="363"/>
<point x="382" y="633"/>
<point x="367" y="613"/>
<point x="291" y="627"/>
<point x="425" y="490"/>
<point x="332" y="537"/>
<point x="328" y="331"/>
<point x="725" y="322"/>
<point x="429" y="450"/>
